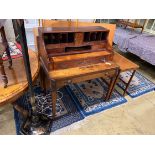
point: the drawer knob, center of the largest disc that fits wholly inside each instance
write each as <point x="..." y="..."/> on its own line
<point x="68" y="82"/>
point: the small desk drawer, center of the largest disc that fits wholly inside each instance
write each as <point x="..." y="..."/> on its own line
<point x="81" y="78"/>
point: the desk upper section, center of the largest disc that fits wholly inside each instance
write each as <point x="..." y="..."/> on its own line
<point x="76" y="35"/>
<point x="61" y="41"/>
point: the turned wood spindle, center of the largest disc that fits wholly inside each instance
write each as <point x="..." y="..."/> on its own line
<point x="4" y="77"/>
<point x="5" y="42"/>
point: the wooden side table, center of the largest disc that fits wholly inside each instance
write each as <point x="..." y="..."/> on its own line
<point x="18" y="83"/>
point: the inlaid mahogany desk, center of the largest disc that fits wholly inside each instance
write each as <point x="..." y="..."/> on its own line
<point x="73" y="54"/>
<point x="18" y="84"/>
<point x="59" y="47"/>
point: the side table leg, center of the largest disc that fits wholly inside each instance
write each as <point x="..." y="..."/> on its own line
<point x="4" y="40"/>
<point x="9" y="56"/>
<point x="129" y="82"/>
<point x="3" y="74"/>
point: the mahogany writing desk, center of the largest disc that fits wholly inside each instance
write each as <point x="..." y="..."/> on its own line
<point x="75" y="54"/>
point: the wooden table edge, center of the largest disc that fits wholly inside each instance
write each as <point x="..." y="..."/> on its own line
<point x="20" y="93"/>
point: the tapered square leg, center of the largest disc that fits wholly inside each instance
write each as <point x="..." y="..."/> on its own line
<point x="114" y="82"/>
<point x="133" y="73"/>
<point x="54" y="97"/>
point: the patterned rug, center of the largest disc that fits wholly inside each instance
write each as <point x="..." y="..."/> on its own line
<point x="73" y="103"/>
<point x="138" y="86"/>
<point x="88" y="96"/>
<point x="66" y="111"/>
<point x="15" y="51"/>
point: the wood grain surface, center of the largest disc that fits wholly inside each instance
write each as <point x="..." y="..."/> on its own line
<point x="17" y="81"/>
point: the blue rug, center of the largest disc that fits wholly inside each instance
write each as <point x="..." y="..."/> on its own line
<point x="69" y="108"/>
<point x="67" y="112"/>
<point x="138" y="86"/>
<point x="88" y="96"/>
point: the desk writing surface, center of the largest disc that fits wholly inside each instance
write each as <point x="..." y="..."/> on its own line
<point x="79" y="71"/>
<point x="124" y="63"/>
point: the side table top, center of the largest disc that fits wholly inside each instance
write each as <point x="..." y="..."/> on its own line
<point x="17" y="81"/>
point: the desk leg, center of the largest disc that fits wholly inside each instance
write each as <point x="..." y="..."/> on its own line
<point x="108" y="95"/>
<point x="54" y="98"/>
<point x="133" y="73"/>
<point x="43" y="80"/>
<point x="3" y="74"/>
<point x="115" y="81"/>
